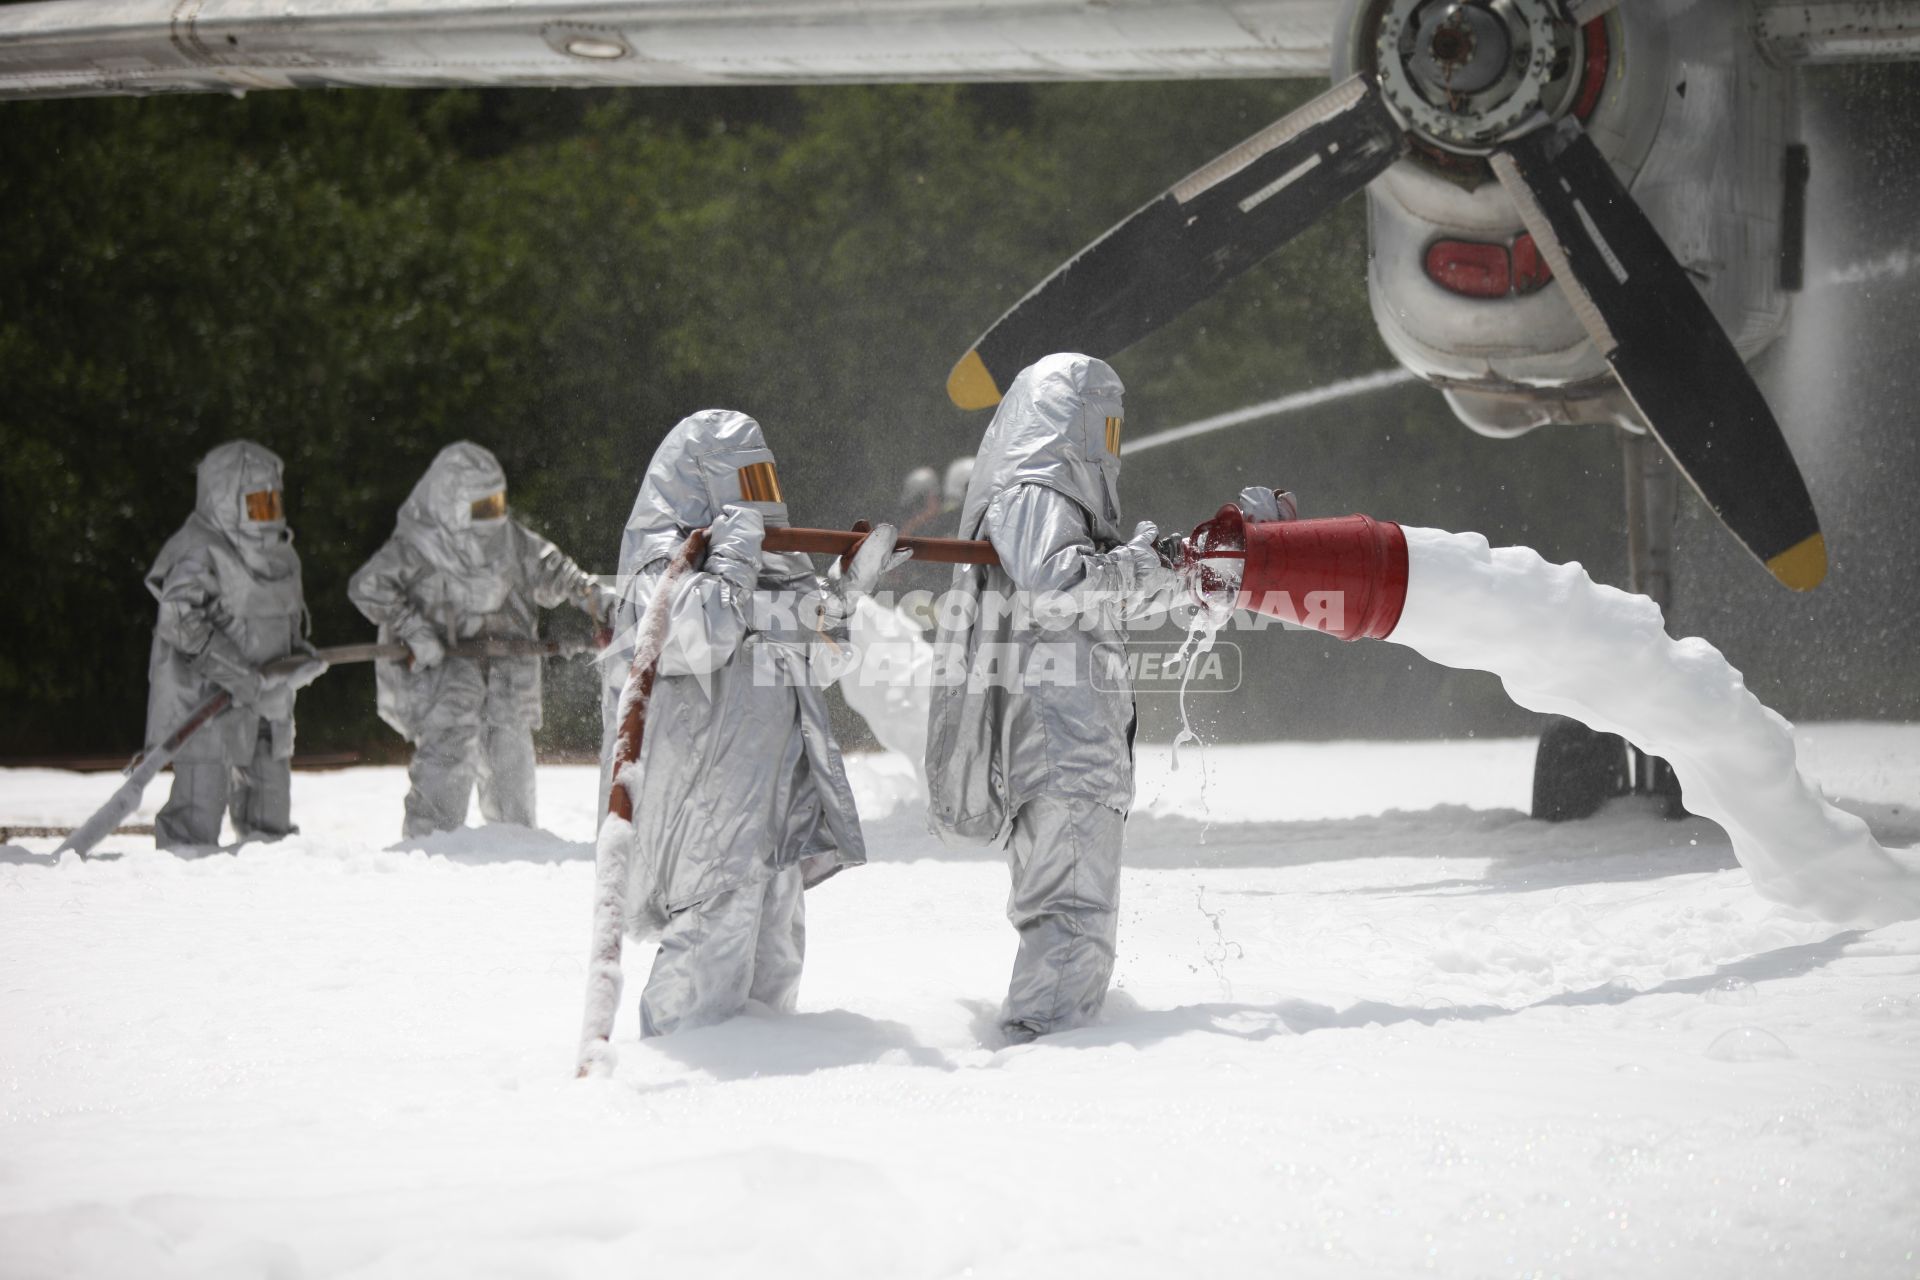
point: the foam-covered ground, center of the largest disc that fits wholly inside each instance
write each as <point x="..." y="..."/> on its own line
<point x="1368" y="1020"/>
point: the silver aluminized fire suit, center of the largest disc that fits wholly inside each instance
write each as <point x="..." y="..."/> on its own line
<point x="740" y="799"/>
<point x="1030" y="735"/>
<point x="455" y="570"/>
<point x="230" y="600"/>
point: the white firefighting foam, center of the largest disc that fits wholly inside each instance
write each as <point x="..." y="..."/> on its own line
<point x="1458" y="1042"/>
<point x="1562" y="643"/>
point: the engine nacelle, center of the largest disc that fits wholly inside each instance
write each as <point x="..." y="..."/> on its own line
<point x="1695" y="120"/>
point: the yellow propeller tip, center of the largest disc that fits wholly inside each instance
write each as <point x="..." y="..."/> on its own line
<point x="970" y="386"/>
<point x="1803" y="565"/>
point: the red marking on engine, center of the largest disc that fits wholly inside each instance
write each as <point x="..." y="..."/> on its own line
<point x="1530" y="270"/>
<point x="1593" y="76"/>
<point x="1470" y="269"/>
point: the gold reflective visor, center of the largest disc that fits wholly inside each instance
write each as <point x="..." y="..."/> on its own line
<point x="491" y="507"/>
<point x="1113" y="436"/>
<point x="264" y="505"/>
<point x="759" y="483"/>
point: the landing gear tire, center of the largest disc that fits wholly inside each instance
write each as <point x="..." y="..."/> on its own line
<point x="1576" y="770"/>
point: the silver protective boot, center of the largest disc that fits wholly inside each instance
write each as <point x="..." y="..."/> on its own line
<point x="1064" y="855"/>
<point x="744" y="944"/>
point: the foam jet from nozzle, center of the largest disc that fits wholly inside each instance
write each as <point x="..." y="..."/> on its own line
<point x="1564" y="644"/>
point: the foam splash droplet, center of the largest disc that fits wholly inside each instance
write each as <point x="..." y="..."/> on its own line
<point x="1732" y="990"/>
<point x="1889" y="1007"/>
<point x="1748" y="1044"/>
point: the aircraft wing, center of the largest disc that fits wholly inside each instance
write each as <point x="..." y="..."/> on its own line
<point x="1881" y="31"/>
<point x="84" y="48"/>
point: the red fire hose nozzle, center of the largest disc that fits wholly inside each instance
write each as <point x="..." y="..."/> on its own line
<point x="1346" y="576"/>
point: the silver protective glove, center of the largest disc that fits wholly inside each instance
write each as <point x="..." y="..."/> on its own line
<point x="1258" y="503"/>
<point x="1142" y="567"/>
<point x="733" y="545"/>
<point x="1267" y="506"/>
<point x="426" y="649"/>
<point x="298" y="678"/>
<point x="598" y="604"/>
<point x="222" y="663"/>
<point x="876" y="558"/>
<point x="1139" y="549"/>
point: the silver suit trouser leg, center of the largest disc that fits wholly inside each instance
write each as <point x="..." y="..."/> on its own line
<point x="743" y="944"/>
<point x="505" y="774"/>
<point x="1065" y="858"/>
<point x="781" y="948"/>
<point x="441" y="776"/>
<point x="261" y="794"/>
<point x="195" y="805"/>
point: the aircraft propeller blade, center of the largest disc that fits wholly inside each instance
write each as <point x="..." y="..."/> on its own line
<point x="1181" y="248"/>
<point x="1669" y="352"/>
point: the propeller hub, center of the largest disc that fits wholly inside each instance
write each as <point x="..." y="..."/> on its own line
<point x="1465" y="74"/>
<point x="1460" y="49"/>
